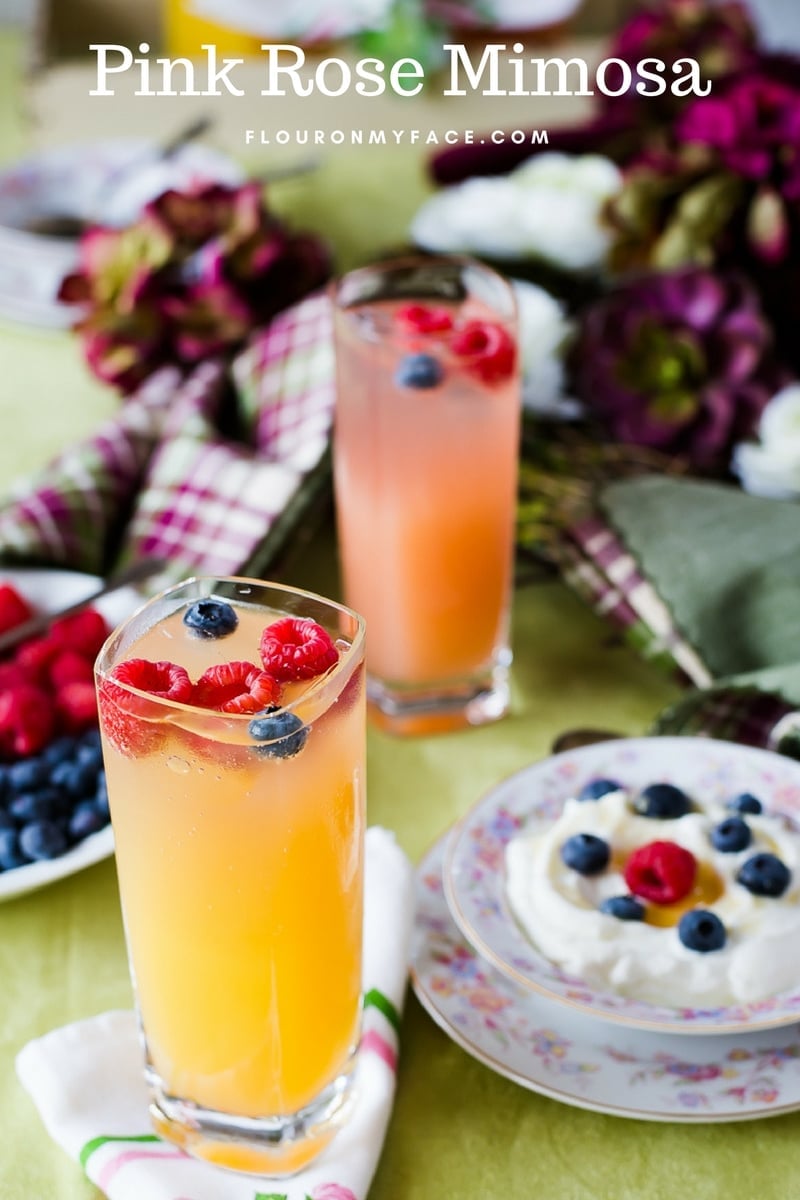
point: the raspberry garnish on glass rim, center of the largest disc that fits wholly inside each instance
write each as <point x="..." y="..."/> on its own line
<point x="295" y="648"/>
<point x="121" y="711"/>
<point x="420" y="318"/>
<point x="487" y="348"/>
<point x="236" y="687"/>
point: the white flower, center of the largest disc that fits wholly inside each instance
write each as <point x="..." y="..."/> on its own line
<point x="562" y="198"/>
<point x="544" y="330"/>
<point x="771" y="466"/>
<point x="549" y="208"/>
<point x="479" y="216"/>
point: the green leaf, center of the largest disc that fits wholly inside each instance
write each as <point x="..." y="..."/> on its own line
<point x="408" y="33"/>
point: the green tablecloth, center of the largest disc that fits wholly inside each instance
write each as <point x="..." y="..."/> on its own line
<point x="458" y="1130"/>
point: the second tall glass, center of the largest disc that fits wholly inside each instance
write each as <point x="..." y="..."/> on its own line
<point x="425" y="467"/>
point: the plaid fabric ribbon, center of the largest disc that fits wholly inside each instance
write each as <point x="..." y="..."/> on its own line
<point x="595" y="562"/>
<point x="161" y="478"/>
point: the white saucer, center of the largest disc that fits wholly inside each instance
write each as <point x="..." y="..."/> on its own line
<point x="580" y="1059"/>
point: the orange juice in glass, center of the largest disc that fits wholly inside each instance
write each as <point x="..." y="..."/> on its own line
<point x="232" y="716"/>
<point x="425" y="470"/>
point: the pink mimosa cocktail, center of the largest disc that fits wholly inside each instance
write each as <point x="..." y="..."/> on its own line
<point x="238" y="810"/>
<point x="425" y="461"/>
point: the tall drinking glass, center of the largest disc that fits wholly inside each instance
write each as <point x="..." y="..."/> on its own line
<point x="239" y="847"/>
<point x="425" y="468"/>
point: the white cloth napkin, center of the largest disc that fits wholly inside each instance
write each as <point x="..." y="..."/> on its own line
<point x="86" y="1079"/>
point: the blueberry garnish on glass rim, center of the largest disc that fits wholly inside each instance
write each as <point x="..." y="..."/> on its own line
<point x="419" y="371"/>
<point x="210" y="618"/>
<point x="283" y="733"/>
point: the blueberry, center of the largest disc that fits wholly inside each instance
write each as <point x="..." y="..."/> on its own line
<point x="76" y="779"/>
<point x="10" y="856"/>
<point x="101" y="795"/>
<point x="86" y="819"/>
<point x="625" y="908"/>
<point x="5" y="821"/>
<point x="597" y="788"/>
<point x="663" y="802"/>
<point x="731" y="835"/>
<point x="586" y="853"/>
<point x="210" y="618"/>
<point x="419" y="371"/>
<point x="91" y="737"/>
<point x="764" y="875"/>
<point x="285" y="732"/>
<point x="28" y="774"/>
<point x="745" y="802"/>
<point x="35" y="806"/>
<point x="89" y="756"/>
<point x="42" y="839"/>
<point x="58" y="751"/>
<point x="701" y="930"/>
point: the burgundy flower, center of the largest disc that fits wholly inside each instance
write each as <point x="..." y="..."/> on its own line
<point x="191" y="277"/>
<point x="721" y="37"/>
<point x="207" y="319"/>
<point x="752" y="126"/>
<point x="680" y="362"/>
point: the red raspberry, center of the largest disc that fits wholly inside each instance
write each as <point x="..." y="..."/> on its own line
<point x="69" y="666"/>
<point x="77" y="705"/>
<point x="14" y="609"/>
<point x="236" y="687"/>
<point x="296" y="648"/>
<point x="123" y="716"/>
<point x="421" y="319"/>
<point x="27" y="720"/>
<point x="84" y="631"/>
<point x="12" y="675"/>
<point x="36" y="655"/>
<point x="166" y="680"/>
<point x="662" y="872"/>
<point x="489" y="348"/>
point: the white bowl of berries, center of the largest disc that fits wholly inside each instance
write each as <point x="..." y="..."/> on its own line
<point x="53" y="803"/>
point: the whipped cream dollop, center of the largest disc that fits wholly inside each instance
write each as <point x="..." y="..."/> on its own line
<point x="558" y="908"/>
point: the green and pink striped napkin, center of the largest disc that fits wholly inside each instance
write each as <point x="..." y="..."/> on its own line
<point x="87" y="1081"/>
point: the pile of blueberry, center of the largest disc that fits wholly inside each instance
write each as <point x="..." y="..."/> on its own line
<point x="51" y="801"/>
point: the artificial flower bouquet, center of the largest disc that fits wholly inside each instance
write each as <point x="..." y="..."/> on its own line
<point x="194" y="275"/>
<point x="675" y="221"/>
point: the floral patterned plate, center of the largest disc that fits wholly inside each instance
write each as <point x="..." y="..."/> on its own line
<point x="562" y="1053"/>
<point x="474" y="875"/>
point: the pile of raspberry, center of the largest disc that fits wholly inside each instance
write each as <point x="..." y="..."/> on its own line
<point x="52" y="784"/>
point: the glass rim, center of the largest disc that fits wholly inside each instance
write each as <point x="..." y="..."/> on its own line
<point x="103" y="673"/>
<point x="406" y="261"/>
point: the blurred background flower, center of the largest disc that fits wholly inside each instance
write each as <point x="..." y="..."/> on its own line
<point x="192" y="277"/>
<point x="549" y="208"/>
<point x="771" y="465"/>
<point x="679" y="362"/>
